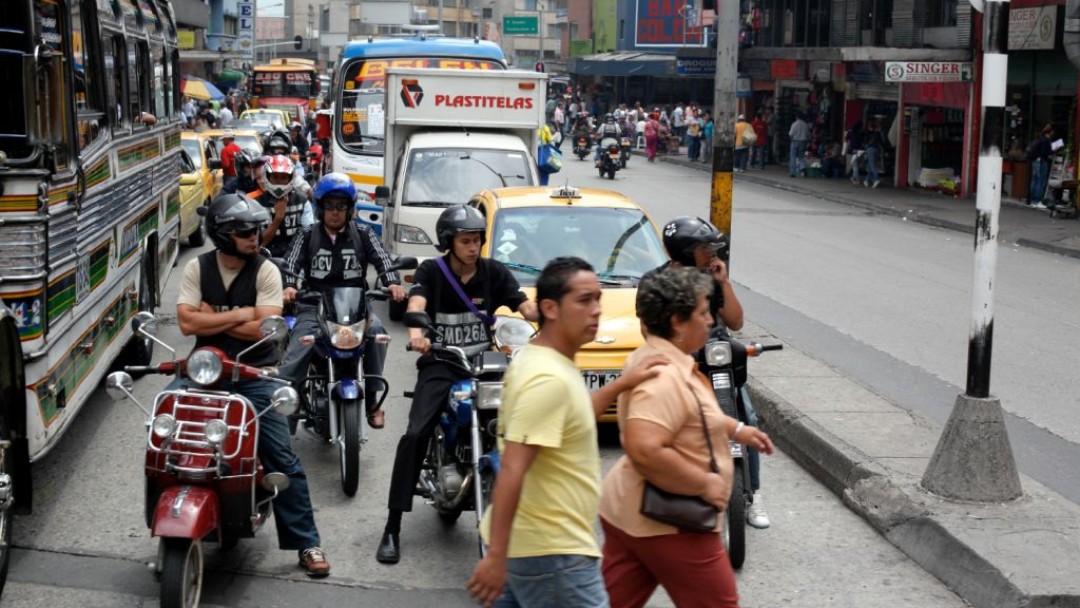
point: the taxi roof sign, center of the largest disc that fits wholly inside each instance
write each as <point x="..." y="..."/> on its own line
<point x="567" y="192"/>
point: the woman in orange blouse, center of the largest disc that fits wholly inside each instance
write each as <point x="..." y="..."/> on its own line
<point x="660" y="422"/>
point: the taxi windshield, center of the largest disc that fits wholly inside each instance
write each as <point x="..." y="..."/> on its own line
<point x="273" y="119"/>
<point x="621" y="244"/>
<point x="191" y="146"/>
<point x="441" y="177"/>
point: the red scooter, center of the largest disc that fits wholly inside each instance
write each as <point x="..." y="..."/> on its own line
<point x="203" y="477"/>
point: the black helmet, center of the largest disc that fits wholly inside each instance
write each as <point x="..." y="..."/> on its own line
<point x="685" y="233"/>
<point x="457" y="220"/>
<point x="230" y="213"/>
<point x="279" y="139"/>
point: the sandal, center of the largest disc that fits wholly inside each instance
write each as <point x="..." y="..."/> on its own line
<point x="377" y="419"/>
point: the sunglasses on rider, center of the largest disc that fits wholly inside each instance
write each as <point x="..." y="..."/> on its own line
<point x="245" y="233"/>
<point x="336" y="206"/>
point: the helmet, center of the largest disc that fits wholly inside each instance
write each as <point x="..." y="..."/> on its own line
<point x="230" y="213"/>
<point x="457" y="220"/>
<point x="295" y="125"/>
<point x="333" y="184"/>
<point x="248" y="158"/>
<point x="685" y="233"/>
<point x="609" y="117"/>
<point x="279" y="163"/>
<point x="278" y="141"/>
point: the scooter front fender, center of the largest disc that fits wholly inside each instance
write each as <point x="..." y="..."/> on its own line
<point x="186" y="512"/>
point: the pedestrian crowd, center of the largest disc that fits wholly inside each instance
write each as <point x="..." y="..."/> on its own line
<point x="200" y="115"/>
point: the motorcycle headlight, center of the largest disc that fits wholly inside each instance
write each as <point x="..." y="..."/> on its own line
<point x="163" y="426"/>
<point x="411" y="234"/>
<point x="204" y="367"/>
<point x="346" y="337"/>
<point x="216" y="431"/>
<point x="512" y="333"/>
<point x="489" y="395"/>
<point x="718" y="353"/>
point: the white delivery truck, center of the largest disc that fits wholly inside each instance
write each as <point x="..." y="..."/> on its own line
<point x="450" y="134"/>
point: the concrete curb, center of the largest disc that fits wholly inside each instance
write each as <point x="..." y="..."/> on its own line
<point x="898" y="509"/>
<point x="920" y="218"/>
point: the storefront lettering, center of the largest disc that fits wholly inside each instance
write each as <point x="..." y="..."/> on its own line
<point x="484" y="101"/>
<point x="927" y="71"/>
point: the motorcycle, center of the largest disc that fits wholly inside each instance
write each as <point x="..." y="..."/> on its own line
<point x="204" y="482"/>
<point x="582" y="147"/>
<point x="725" y="366"/>
<point x="610" y="156"/>
<point x="462" y="459"/>
<point x="625" y="144"/>
<point x="334" y="388"/>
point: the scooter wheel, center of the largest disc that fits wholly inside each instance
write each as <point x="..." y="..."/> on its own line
<point x="181" y="573"/>
<point x="735" y="524"/>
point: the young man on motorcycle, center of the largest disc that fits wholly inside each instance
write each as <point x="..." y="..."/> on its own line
<point x="335" y="252"/>
<point x="249" y="164"/>
<point x="280" y="142"/>
<point x="297" y="139"/>
<point x="276" y="193"/>
<point x="460" y="233"/>
<point x="608" y="129"/>
<point x="692" y="241"/>
<point x="224" y="295"/>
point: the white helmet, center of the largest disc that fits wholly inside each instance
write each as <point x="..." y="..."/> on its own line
<point x="281" y="164"/>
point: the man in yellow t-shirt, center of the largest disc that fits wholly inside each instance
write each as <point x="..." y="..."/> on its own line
<point x="542" y="548"/>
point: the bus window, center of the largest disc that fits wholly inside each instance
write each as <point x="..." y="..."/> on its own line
<point x="116" y="71"/>
<point x="158" y="88"/>
<point x="53" y="93"/>
<point x="89" y="103"/>
<point x="141" y="96"/>
<point x="14" y="141"/>
<point x="174" y="82"/>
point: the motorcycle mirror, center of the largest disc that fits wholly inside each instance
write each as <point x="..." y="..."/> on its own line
<point x="274" y="327"/>
<point x="405" y="263"/>
<point x="417" y="319"/>
<point x="145" y="322"/>
<point x="119" y="385"/>
<point x="285" y="401"/>
<point x="275" y="482"/>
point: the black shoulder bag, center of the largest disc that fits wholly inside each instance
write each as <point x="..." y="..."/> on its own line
<point x="689" y="513"/>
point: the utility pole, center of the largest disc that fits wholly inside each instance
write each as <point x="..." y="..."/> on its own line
<point x="540" y="29"/>
<point x="725" y="109"/>
<point x="441" y="17"/>
<point x="973" y="459"/>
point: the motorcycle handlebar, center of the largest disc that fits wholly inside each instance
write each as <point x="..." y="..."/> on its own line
<point x="754" y="349"/>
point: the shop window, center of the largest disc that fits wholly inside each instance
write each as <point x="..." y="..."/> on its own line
<point x="89" y="96"/>
<point x="940" y="13"/>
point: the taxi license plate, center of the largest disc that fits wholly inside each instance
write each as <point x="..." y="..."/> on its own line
<point x="594" y="379"/>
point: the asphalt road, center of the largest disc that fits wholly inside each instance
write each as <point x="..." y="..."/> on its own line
<point x="86" y="544"/>
<point x="888" y="303"/>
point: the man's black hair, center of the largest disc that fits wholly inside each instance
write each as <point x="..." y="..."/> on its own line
<point x="554" y="281"/>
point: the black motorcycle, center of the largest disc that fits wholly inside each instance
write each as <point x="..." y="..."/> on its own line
<point x="462" y="459"/>
<point x="725" y="366"/>
<point x="582" y="148"/>
<point x="610" y="157"/>
<point x="625" y="143"/>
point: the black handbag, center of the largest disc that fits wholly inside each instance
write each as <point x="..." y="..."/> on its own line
<point x="689" y="513"/>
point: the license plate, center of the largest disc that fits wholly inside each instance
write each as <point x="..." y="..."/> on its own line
<point x="594" y="379"/>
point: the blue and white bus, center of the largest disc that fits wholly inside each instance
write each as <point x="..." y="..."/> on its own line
<point x="359" y="118"/>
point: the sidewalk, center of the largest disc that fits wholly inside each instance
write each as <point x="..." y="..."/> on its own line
<point x="1018" y="223"/>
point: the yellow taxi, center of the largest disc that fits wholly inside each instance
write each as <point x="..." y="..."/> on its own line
<point x="192" y="196"/>
<point x="206" y="160"/>
<point x="528" y="226"/>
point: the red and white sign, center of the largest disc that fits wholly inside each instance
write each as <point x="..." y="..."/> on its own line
<point x="928" y="71"/>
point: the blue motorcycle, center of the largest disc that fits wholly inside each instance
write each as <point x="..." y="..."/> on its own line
<point x="462" y="459"/>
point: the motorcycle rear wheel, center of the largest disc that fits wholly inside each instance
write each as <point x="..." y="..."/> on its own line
<point x="349" y="445"/>
<point x="181" y="573"/>
<point x="735" y="524"/>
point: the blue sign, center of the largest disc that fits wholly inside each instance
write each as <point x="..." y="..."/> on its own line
<point x="695" y="66"/>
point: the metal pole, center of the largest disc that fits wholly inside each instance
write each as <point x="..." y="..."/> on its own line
<point x="540" y="28"/>
<point x="724" y="113"/>
<point x="440" y="17"/>
<point x="973" y="459"/>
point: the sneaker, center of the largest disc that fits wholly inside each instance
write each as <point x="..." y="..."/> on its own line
<point x="1038" y="206"/>
<point x="314" y="561"/>
<point x="756" y="515"/>
<point x="877" y="182"/>
<point x="866" y="183"/>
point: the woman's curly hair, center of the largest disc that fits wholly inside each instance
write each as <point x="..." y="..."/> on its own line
<point x="674" y="291"/>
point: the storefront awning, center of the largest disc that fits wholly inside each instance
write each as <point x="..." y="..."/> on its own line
<point x="623" y="63"/>
<point x="203" y="55"/>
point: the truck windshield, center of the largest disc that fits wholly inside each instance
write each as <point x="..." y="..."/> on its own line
<point x="447" y="176"/>
<point x="284" y="84"/>
<point x="363" y="88"/>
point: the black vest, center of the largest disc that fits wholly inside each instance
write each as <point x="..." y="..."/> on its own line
<point x="290" y="225"/>
<point x="241" y="293"/>
<point x="342" y="263"/>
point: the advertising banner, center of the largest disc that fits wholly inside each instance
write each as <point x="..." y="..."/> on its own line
<point x="667" y="23"/>
<point x="245" y="28"/>
<point x="928" y="71"/>
<point x="1032" y="28"/>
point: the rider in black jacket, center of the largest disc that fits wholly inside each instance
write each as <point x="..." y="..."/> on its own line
<point x="334" y="252"/>
<point x="460" y="232"/>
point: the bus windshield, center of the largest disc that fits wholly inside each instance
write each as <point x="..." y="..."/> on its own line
<point x="284" y="84"/>
<point x="362" y="89"/>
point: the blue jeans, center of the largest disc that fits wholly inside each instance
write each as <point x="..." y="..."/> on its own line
<point x="553" y="581"/>
<point x="753" y="458"/>
<point x="740" y="157"/>
<point x="693" y="152"/>
<point x="293" y="515"/>
<point x="757" y="156"/>
<point x="1040" y="170"/>
<point x="872" y="154"/>
<point x="797" y="157"/>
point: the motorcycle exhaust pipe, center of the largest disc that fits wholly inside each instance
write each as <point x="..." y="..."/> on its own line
<point x="437" y="495"/>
